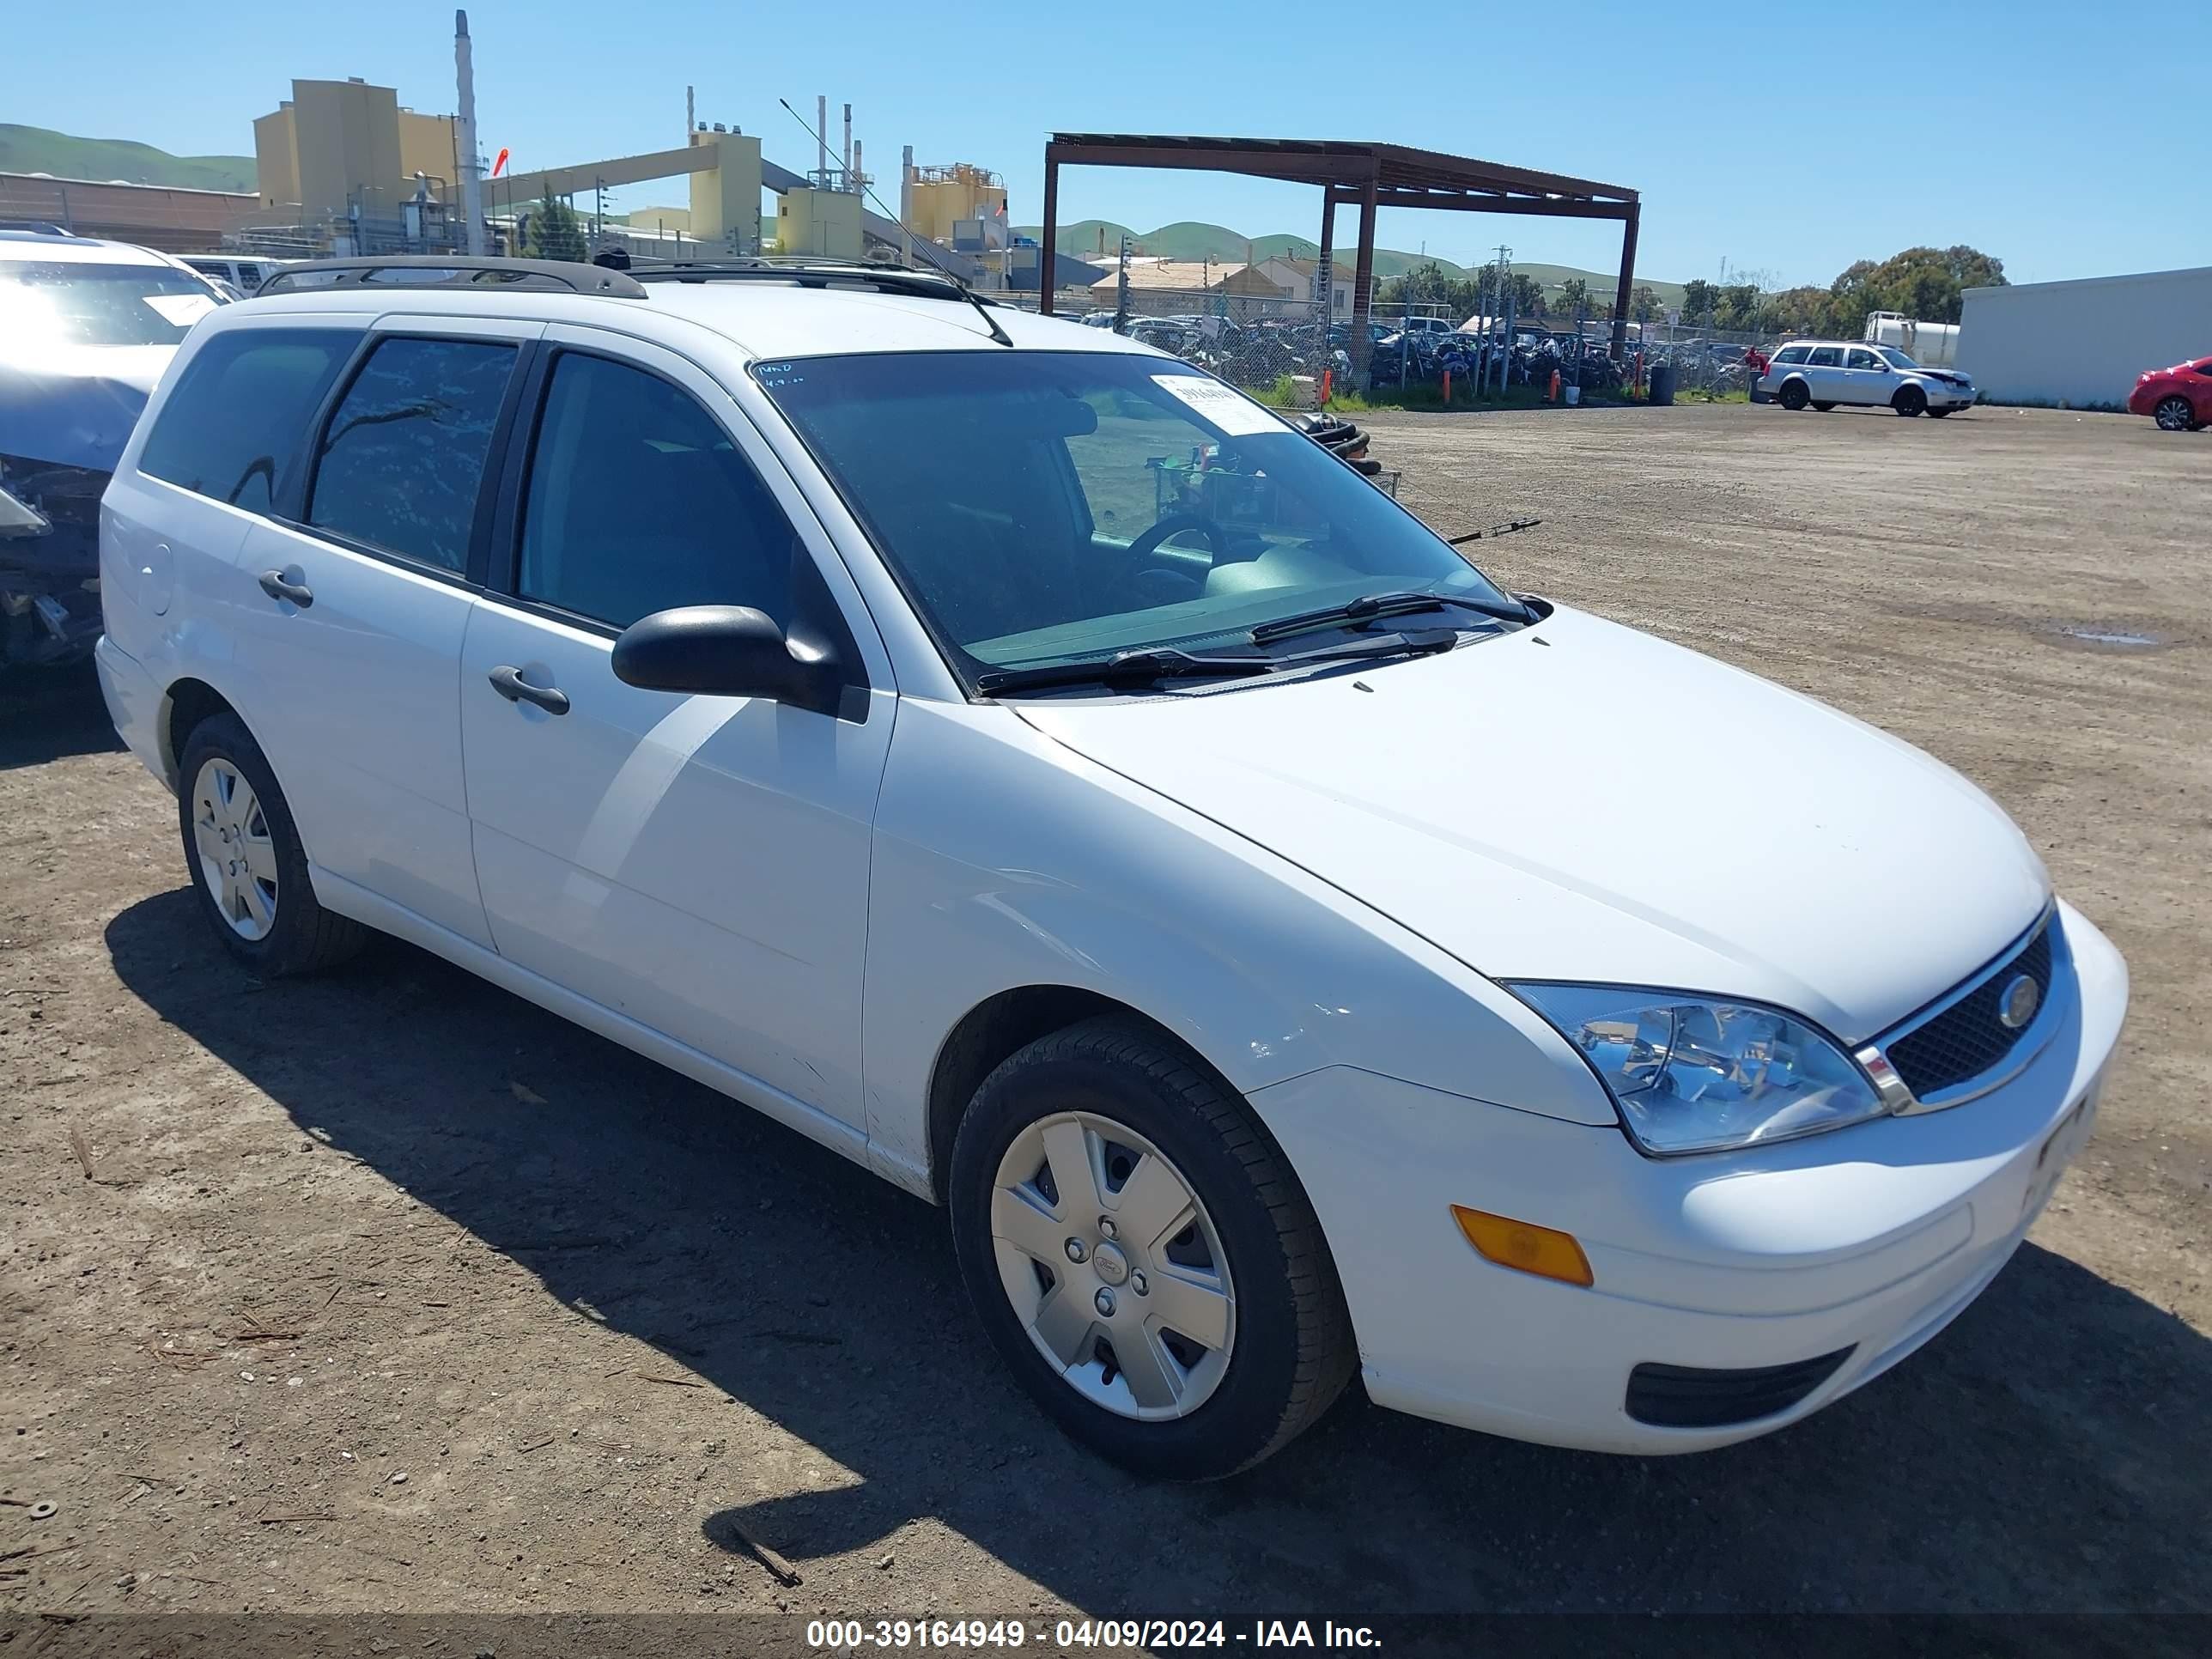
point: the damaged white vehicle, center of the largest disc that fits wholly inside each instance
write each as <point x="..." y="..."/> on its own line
<point x="86" y="329"/>
<point x="1012" y="757"/>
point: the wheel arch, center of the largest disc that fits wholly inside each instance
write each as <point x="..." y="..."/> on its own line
<point x="185" y="705"/>
<point x="1002" y="1025"/>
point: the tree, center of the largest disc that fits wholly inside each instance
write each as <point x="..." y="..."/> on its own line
<point x="1793" y="311"/>
<point x="1526" y="294"/>
<point x="1574" y="296"/>
<point x="1428" y="284"/>
<point x="1698" y="300"/>
<point x="554" y="232"/>
<point x="1737" y="307"/>
<point x="1924" y="283"/>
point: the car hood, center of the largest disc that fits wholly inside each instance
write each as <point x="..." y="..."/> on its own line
<point x="75" y="405"/>
<point x="1580" y="801"/>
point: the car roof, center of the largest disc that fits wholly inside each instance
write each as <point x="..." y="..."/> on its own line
<point x="763" y="319"/>
<point x="47" y="247"/>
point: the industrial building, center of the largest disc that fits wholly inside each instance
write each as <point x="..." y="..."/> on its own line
<point x="2081" y="344"/>
<point x="153" y="215"/>
<point x="339" y="146"/>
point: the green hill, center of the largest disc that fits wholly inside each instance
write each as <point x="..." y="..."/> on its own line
<point x="35" y="149"/>
<point x="1192" y="239"/>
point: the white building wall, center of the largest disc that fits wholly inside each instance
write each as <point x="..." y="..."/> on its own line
<point x="2082" y="342"/>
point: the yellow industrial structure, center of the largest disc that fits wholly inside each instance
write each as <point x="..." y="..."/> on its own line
<point x="334" y="145"/>
<point x="936" y="199"/>
<point x="724" y="168"/>
<point x="825" y="223"/>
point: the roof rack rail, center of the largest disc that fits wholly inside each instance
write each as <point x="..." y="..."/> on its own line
<point x="452" y="270"/>
<point x="811" y="272"/>
<point x="805" y="270"/>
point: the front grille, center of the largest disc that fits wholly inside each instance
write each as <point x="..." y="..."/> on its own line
<point x="1967" y="1039"/>
<point x="1689" y="1397"/>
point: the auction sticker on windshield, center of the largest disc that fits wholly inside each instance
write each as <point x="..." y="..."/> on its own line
<point x="179" y="310"/>
<point x="1238" y="416"/>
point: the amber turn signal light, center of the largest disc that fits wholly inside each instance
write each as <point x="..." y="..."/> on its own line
<point x="1523" y="1246"/>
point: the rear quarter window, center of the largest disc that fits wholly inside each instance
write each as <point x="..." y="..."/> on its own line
<point x="1791" y="354"/>
<point x="234" y="423"/>
<point x="403" y="458"/>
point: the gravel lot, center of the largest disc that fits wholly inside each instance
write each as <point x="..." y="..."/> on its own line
<point x="390" y="1292"/>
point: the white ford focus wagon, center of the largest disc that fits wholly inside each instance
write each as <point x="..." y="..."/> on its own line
<point x="1015" y="759"/>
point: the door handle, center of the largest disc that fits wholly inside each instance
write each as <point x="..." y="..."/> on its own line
<point x="274" y="585"/>
<point x="507" y="681"/>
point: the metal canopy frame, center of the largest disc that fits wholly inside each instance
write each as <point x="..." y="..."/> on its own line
<point x="1369" y="176"/>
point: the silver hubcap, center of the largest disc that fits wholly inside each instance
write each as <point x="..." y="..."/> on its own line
<point x="1113" y="1265"/>
<point x="2173" y="414"/>
<point x="238" y="861"/>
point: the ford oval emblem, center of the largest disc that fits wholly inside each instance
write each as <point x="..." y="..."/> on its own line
<point x="2018" y="1005"/>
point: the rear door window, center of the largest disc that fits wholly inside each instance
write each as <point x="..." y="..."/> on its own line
<point x="1826" y="357"/>
<point x="239" y="417"/>
<point x="401" y="463"/>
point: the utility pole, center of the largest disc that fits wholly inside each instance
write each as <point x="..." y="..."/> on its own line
<point x="1121" y="293"/>
<point x="464" y="138"/>
<point x="1497" y="318"/>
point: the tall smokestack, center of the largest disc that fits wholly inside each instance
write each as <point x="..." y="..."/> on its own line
<point x="846" y="162"/>
<point x="906" y="200"/>
<point x="465" y="139"/>
<point x="853" y="178"/>
<point x="690" y="112"/>
<point x="822" y="135"/>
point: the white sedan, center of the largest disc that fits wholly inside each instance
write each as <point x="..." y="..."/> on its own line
<point x="1008" y="756"/>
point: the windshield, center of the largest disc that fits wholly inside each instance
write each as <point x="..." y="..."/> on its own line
<point x="1896" y="359"/>
<point x="1047" y="507"/>
<point x="72" y="303"/>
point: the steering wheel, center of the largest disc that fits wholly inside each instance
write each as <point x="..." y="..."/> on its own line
<point x="1176" y="524"/>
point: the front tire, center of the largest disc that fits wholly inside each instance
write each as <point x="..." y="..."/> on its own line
<point x="1823" y="408"/>
<point x="1909" y="401"/>
<point x="247" y="864"/>
<point x="1938" y="414"/>
<point x="1142" y="1257"/>
<point x="2174" y="415"/>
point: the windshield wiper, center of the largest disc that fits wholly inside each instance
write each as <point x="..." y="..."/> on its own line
<point x="1493" y="532"/>
<point x="1150" y="666"/>
<point x="1369" y="605"/>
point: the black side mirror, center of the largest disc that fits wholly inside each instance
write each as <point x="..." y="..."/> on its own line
<point x="727" y="651"/>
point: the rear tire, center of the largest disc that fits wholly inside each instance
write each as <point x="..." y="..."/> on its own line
<point x="1793" y="395"/>
<point x="2174" y="415"/>
<point x="248" y="866"/>
<point x="1909" y="401"/>
<point x="1823" y="408"/>
<point x="1938" y="414"/>
<point x="1038" y="1156"/>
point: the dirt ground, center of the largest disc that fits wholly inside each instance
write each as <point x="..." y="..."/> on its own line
<point x="390" y="1292"/>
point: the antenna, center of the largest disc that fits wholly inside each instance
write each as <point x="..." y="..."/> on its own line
<point x="966" y="292"/>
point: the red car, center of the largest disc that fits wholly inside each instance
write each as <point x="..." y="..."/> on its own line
<point x="2178" y="398"/>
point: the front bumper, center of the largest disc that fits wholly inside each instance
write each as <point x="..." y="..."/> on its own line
<point x="50" y="581"/>
<point x="1867" y="1240"/>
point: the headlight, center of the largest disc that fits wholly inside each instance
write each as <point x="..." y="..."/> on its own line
<point x="20" y="518"/>
<point x="1693" y="1075"/>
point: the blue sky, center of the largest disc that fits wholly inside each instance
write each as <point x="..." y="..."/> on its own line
<point x="2067" y="140"/>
